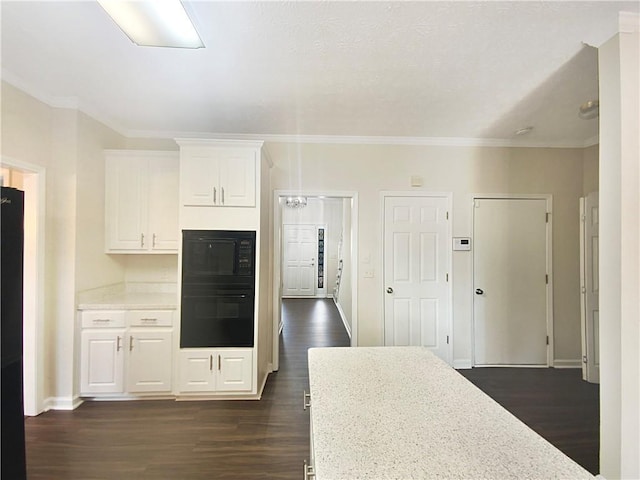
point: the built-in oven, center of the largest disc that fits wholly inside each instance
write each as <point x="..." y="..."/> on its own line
<point x="217" y="316"/>
<point x="218" y="288"/>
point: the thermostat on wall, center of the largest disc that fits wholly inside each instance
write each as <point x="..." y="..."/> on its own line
<point x="462" y="243"/>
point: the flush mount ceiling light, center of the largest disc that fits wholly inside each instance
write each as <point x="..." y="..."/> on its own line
<point x="296" y="202"/>
<point x="154" y="23"/>
<point x="523" y="130"/>
<point x="589" y="110"/>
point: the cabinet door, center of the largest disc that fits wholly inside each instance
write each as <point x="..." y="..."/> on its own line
<point x="150" y="355"/>
<point x="163" y="204"/>
<point x="125" y="203"/>
<point x="102" y="361"/>
<point x="199" y="178"/>
<point x="235" y="369"/>
<point x="196" y="370"/>
<point x="238" y="178"/>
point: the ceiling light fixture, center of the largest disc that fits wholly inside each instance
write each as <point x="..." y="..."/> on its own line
<point x="524" y="130"/>
<point x="589" y="110"/>
<point x="154" y="23"/>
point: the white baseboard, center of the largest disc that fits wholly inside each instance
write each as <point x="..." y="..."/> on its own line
<point x="462" y="364"/>
<point x="563" y="363"/>
<point x="62" y="403"/>
<point x="347" y="327"/>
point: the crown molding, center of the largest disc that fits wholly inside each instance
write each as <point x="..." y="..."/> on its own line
<point x="628" y="22"/>
<point x="71" y="103"/>
<point x="187" y="137"/>
<point x="39" y="94"/>
<point x="590" y="142"/>
<point x="182" y="137"/>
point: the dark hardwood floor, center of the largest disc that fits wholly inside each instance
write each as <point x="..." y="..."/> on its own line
<point x="270" y="438"/>
<point x="556" y="403"/>
<point x="193" y="440"/>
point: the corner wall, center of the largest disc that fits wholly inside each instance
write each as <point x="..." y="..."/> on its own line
<point x="369" y="169"/>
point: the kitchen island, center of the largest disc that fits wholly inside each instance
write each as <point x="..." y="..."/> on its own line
<point x="402" y="413"/>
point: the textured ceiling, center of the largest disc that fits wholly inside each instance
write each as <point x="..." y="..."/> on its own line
<point x="396" y="69"/>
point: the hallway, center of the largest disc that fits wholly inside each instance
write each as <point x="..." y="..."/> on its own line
<point x="164" y="439"/>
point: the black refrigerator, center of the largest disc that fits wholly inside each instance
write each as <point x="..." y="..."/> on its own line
<point x="12" y="246"/>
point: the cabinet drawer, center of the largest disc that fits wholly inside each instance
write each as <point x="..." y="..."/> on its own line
<point x="102" y="318"/>
<point x="150" y="318"/>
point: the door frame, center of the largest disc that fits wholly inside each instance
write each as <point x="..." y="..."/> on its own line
<point x="449" y="197"/>
<point x="549" y="246"/>
<point x="34" y="277"/>
<point x="277" y="262"/>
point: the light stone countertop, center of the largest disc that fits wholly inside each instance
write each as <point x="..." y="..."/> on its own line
<point x="402" y="413"/>
<point x="137" y="296"/>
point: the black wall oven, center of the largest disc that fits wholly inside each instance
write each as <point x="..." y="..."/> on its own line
<point x="218" y="288"/>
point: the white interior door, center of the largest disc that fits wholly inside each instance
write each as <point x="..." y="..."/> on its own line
<point x="416" y="261"/>
<point x="510" y="282"/>
<point x="299" y="265"/>
<point x="590" y="289"/>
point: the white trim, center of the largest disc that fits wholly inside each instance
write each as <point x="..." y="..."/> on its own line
<point x="360" y="140"/>
<point x="277" y="260"/>
<point x="343" y="317"/>
<point x="628" y="22"/>
<point x="590" y="142"/>
<point x="34" y="343"/>
<point x="426" y="194"/>
<point x="462" y="364"/>
<point x="550" y="321"/>
<point x="564" y="363"/>
<point x="62" y="403"/>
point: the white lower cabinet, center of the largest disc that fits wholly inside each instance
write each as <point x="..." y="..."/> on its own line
<point x="119" y="354"/>
<point x="102" y="360"/>
<point x="205" y="370"/>
<point x="149" y="368"/>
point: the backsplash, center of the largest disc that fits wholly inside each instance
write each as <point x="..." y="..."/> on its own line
<point x="151" y="268"/>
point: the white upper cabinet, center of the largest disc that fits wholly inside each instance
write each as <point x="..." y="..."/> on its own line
<point x="141" y="195"/>
<point x="218" y="176"/>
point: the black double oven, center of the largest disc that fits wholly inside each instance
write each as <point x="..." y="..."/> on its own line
<point x="218" y="288"/>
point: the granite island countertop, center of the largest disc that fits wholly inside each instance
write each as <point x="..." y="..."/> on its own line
<point x="402" y="413"/>
<point x="143" y="296"/>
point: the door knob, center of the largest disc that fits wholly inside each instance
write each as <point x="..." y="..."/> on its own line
<point x="389" y="290"/>
<point x="479" y="291"/>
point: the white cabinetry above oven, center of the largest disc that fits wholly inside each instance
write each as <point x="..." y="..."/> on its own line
<point x="141" y="201"/>
<point x="218" y="177"/>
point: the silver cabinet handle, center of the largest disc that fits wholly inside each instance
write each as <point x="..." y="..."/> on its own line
<point x="306" y="400"/>
<point x="211" y="363"/>
<point x="118" y="345"/>
<point x="214" y="194"/>
<point x="153" y="243"/>
<point x="222" y="188"/>
<point x="131" y="343"/>
<point x="142" y="240"/>
<point x="149" y="320"/>
<point x="219" y="363"/>
<point x="389" y="290"/>
<point x="308" y="471"/>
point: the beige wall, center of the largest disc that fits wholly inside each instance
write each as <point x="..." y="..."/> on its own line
<point x="370" y="169"/>
<point x="69" y="145"/>
<point x="65" y="143"/>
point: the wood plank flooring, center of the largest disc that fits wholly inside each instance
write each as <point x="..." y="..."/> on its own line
<point x="267" y="439"/>
<point x="556" y="403"/>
